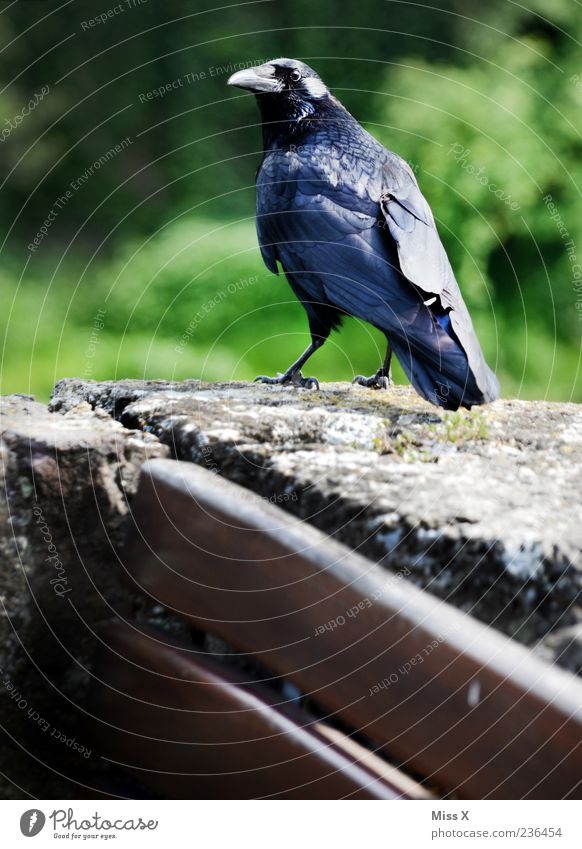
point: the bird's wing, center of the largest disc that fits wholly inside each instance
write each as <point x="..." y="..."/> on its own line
<point x="268" y="249"/>
<point x="296" y="203"/>
<point x="340" y="256"/>
<point x="411" y="224"/>
<point x="339" y="259"/>
<point x="268" y="195"/>
<point x="424" y="262"/>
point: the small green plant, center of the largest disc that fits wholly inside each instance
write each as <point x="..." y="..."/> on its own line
<point x="406" y="444"/>
<point x="460" y="427"/>
<point x="418" y="445"/>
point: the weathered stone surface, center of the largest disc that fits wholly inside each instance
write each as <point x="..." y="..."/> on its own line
<point x="66" y="482"/>
<point x="483" y="508"/>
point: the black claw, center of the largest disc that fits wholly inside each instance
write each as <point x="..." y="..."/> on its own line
<point x="309" y="383"/>
<point x="304" y="382"/>
<point x="377" y="381"/>
<point x="296" y="378"/>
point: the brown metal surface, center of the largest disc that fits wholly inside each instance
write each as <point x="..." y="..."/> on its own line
<point x="457" y="702"/>
<point x="191" y="728"/>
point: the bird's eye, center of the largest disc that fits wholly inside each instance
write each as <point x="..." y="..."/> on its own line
<point x="296" y="75"/>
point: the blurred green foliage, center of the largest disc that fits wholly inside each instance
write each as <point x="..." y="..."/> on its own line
<point x="151" y="267"/>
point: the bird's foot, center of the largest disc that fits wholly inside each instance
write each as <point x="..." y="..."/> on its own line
<point x="377" y="381"/>
<point x="295" y="377"/>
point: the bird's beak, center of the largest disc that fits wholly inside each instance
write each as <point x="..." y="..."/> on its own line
<point x="259" y="79"/>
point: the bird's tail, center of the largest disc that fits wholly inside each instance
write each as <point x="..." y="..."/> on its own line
<point x="438" y="367"/>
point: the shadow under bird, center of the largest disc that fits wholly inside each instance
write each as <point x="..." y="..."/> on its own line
<point x="348" y="224"/>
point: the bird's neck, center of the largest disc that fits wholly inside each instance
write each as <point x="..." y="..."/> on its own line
<point x="285" y="120"/>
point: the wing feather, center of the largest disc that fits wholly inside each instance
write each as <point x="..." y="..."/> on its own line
<point x="424" y="262"/>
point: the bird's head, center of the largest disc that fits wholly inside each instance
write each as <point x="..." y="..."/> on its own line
<point x="286" y="89"/>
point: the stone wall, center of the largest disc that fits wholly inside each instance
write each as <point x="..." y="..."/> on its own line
<point x="66" y="483"/>
<point x="482" y="508"/>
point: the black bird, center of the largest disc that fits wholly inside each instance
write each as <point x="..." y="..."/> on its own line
<point x="354" y="235"/>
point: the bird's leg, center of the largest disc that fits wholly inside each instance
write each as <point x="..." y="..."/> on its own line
<point x="383" y="377"/>
<point x="293" y="373"/>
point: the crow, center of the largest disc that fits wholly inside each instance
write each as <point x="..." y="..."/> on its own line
<point x="347" y="222"/>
